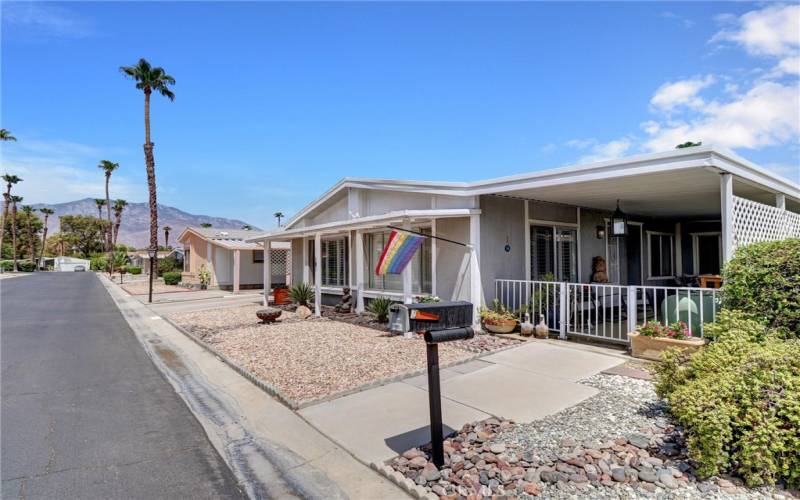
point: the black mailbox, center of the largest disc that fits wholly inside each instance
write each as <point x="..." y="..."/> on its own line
<point x="424" y="317"/>
<point x="439" y="336"/>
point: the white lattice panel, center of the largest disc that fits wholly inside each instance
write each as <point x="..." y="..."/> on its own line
<point x="753" y="222"/>
<point x="279" y="265"/>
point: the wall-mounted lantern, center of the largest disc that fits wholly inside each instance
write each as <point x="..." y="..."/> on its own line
<point x="600" y="232"/>
<point x="619" y="223"/>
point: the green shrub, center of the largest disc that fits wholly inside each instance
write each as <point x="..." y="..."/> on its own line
<point x="98" y="263"/>
<point x="380" y="308"/>
<point x="167" y="265"/>
<point x="301" y="294"/>
<point x="738" y="399"/>
<point x="763" y="280"/>
<point x="134" y="270"/>
<point x="26" y="266"/>
<point x="172" y="278"/>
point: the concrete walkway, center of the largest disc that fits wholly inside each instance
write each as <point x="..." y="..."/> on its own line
<point x="275" y="452"/>
<point x="524" y="384"/>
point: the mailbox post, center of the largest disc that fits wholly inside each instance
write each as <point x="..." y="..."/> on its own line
<point x="432" y="341"/>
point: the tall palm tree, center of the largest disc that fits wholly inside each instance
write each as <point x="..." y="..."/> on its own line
<point x="47" y="213"/>
<point x="14" y="200"/>
<point x="119" y="206"/>
<point x="149" y="79"/>
<point x="279" y="216"/>
<point x="108" y="167"/>
<point x="100" y="202"/>
<point x="10" y="180"/>
<point x="166" y="229"/>
<point x="5" y="135"/>
<point x="28" y="211"/>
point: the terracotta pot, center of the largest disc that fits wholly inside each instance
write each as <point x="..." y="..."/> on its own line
<point x="503" y="326"/>
<point x="645" y="347"/>
<point x="281" y="296"/>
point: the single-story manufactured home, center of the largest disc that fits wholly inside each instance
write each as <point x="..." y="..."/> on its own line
<point x="233" y="263"/>
<point x="609" y="241"/>
<point x="141" y="259"/>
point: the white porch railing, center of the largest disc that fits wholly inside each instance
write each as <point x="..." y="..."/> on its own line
<point x="606" y="311"/>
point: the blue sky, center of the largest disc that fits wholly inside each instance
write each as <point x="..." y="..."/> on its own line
<point x="277" y="101"/>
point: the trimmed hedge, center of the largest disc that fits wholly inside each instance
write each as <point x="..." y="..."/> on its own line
<point x="763" y="280"/>
<point x="738" y="399"/>
<point x="135" y="270"/>
<point x="27" y="266"/>
<point x="172" y="278"/>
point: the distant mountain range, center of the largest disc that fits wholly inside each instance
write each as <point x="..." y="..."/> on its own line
<point x="135" y="228"/>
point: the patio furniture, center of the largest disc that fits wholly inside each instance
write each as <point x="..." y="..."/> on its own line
<point x="710" y="281"/>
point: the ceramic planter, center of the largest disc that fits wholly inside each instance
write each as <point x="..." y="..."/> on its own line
<point x="645" y="347"/>
<point x="503" y="326"/>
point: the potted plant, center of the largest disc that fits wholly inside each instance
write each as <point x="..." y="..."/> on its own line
<point x="652" y="338"/>
<point x="498" y="319"/>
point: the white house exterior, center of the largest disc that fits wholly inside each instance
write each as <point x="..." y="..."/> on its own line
<point x="70" y="264"/>
<point x="687" y="211"/>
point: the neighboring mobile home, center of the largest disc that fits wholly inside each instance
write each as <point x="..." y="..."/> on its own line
<point x="686" y="211"/>
<point x="234" y="264"/>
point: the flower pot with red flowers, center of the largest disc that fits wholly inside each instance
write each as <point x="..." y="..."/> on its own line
<point x="653" y="338"/>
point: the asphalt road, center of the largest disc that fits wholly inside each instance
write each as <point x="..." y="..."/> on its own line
<point x="85" y="413"/>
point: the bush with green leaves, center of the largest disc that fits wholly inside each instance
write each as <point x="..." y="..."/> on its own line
<point x="167" y="265"/>
<point x="172" y="278"/>
<point x="26" y="266"/>
<point x="379" y="306"/>
<point x="301" y="294"/>
<point x="134" y="270"/>
<point x="763" y="280"/>
<point x="98" y="263"/>
<point x="738" y="399"/>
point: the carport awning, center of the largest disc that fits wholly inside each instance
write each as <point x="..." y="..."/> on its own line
<point x="369" y="222"/>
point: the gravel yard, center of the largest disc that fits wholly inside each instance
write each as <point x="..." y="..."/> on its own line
<point x="142" y="287"/>
<point x="617" y="444"/>
<point x="312" y="358"/>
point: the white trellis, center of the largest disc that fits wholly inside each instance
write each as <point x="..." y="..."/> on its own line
<point x="753" y="222"/>
<point x="280" y="263"/>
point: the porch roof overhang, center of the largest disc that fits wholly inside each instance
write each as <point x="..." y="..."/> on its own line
<point x="370" y="222"/>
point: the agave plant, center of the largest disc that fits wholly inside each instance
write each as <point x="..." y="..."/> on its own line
<point x="301" y="294"/>
<point x="380" y="308"/>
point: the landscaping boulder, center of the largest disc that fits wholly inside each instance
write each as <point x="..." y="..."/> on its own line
<point x="302" y="312"/>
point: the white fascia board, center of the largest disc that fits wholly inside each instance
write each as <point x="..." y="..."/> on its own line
<point x="366" y="222"/>
<point x="754" y="174"/>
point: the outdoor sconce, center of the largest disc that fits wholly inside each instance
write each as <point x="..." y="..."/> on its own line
<point x="619" y="223"/>
<point x="153" y="252"/>
<point x="600" y="232"/>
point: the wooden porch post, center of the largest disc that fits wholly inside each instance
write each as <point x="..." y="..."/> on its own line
<point x="726" y="214"/>
<point x="359" y="271"/>
<point x="267" y="270"/>
<point x="318" y="274"/>
<point x="236" y="267"/>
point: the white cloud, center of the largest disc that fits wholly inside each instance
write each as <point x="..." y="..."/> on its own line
<point x="764" y="116"/>
<point x="685" y="22"/>
<point x="599" y="151"/>
<point x="770" y="31"/>
<point x="790" y="171"/>
<point x="45" y="19"/>
<point x="789" y="65"/>
<point x="680" y="93"/>
<point x="58" y="171"/>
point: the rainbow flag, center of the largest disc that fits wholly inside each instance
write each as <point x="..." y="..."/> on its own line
<point x="398" y="252"/>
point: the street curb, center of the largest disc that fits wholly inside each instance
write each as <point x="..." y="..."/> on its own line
<point x="403" y="482"/>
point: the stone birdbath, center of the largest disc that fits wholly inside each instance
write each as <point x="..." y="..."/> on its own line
<point x="268" y="314"/>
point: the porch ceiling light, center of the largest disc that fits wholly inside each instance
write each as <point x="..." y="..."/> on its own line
<point x="619" y="223"/>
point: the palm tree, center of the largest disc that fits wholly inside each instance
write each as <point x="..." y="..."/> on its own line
<point x="10" y="180"/>
<point x="279" y="216"/>
<point x="119" y="206"/>
<point x="167" y="229"/>
<point x="28" y="211"/>
<point x="205" y="224"/>
<point x="5" y="135"/>
<point x="109" y="167"/>
<point x="100" y="202"/>
<point x="149" y="79"/>
<point x="14" y="200"/>
<point x="47" y="213"/>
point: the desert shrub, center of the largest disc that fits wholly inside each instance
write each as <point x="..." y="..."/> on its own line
<point x="301" y="294"/>
<point x="738" y="399"/>
<point x="172" y="278"/>
<point x="379" y="306"/>
<point x="168" y="265"/>
<point x="134" y="270"/>
<point x="98" y="263"/>
<point x="22" y="265"/>
<point x="763" y="280"/>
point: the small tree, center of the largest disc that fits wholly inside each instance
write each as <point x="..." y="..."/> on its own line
<point x="688" y="144"/>
<point x="205" y="224"/>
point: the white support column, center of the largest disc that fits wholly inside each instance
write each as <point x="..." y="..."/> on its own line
<point x="318" y="274"/>
<point x="678" y="250"/>
<point x="780" y="201"/>
<point x="578" y="242"/>
<point x="351" y="276"/>
<point x="726" y="213"/>
<point x="433" y="256"/>
<point x="562" y="310"/>
<point x="407" y="299"/>
<point x="210" y="263"/>
<point x="527" y="239"/>
<point x="476" y="287"/>
<point x="306" y="266"/>
<point x="267" y="271"/>
<point x="237" y="257"/>
<point x="359" y="271"/>
<point x="632" y="308"/>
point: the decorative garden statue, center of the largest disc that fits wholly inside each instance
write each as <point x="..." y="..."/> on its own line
<point x="526" y="327"/>
<point x="542" y="331"/>
<point x="346" y="305"/>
